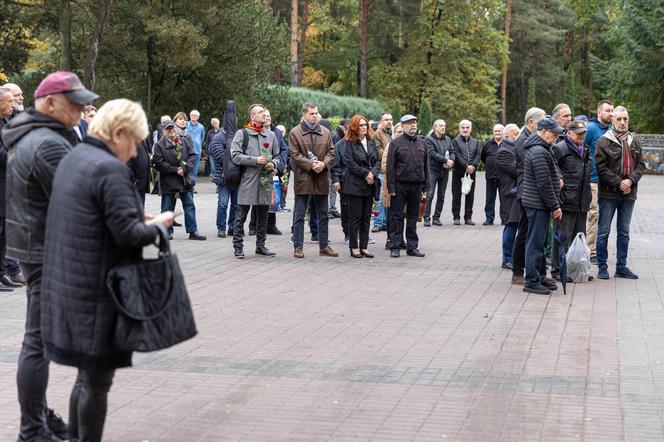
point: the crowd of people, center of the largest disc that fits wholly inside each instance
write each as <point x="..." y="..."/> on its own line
<point x="76" y="180"/>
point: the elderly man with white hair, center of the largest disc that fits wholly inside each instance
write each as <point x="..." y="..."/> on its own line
<point x="441" y="160"/>
<point x="488" y="156"/>
<point x="510" y="209"/>
<point x="17" y="96"/>
<point x="467" y="157"/>
<point x="197" y="133"/>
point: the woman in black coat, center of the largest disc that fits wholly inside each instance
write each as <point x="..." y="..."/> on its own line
<point x="95" y="221"/>
<point x="360" y="158"/>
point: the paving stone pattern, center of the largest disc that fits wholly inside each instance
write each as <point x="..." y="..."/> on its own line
<point x="440" y="348"/>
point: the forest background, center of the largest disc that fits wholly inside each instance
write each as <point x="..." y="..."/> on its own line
<point x="484" y="60"/>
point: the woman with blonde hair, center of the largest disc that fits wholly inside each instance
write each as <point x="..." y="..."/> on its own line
<point x="95" y="221"/>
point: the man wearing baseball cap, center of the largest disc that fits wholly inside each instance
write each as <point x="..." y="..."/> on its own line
<point x="572" y="156"/>
<point x="541" y="192"/>
<point x="36" y="141"/>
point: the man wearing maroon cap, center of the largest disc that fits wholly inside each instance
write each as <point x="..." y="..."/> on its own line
<point x="36" y="140"/>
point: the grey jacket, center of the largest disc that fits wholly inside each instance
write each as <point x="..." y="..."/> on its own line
<point x="251" y="192"/>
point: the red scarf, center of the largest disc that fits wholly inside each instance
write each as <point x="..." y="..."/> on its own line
<point x="627" y="159"/>
<point x="255" y="127"/>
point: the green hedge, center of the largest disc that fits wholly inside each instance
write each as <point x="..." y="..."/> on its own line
<point x="289" y="110"/>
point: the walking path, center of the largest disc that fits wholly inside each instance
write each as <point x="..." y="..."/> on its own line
<point x="440" y="348"/>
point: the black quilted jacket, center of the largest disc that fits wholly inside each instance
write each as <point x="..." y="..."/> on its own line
<point x="94" y="222"/>
<point x="541" y="179"/>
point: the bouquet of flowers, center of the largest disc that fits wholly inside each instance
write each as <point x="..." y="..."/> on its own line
<point x="178" y="153"/>
<point x="266" y="175"/>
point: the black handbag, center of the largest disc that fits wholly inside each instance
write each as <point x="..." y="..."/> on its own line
<point x="154" y="310"/>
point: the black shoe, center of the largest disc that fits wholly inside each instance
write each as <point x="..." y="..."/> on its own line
<point x="197" y="236"/>
<point x="366" y="254"/>
<point x="625" y="273"/>
<point x="252" y="232"/>
<point x="388" y="245"/>
<point x="593" y="260"/>
<point x="506" y="265"/>
<point x="394" y="253"/>
<point x="5" y="280"/>
<point x="538" y="289"/>
<point x="469" y="222"/>
<point x="436" y="222"/>
<point x="334" y="214"/>
<point x="415" y="252"/>
<point x="264" y="251"/>
<point x="403" y="246"/>
<point x="230" y="233"/>
<point x="176" y="224"/>
<point x="56" y="424"/>
<point x="487" y="223"/>
<point x="355" y="255"/>
<point x="239" y="253"/>
<point x="376" y="229"/>
<point x="6" y="288"/>
<point x="314" y="239"/>
<point x="602" y="273"/>
<point x="221" y="233"/>
<point x="427" y="223"/>
<point x="550" y="284"/>
<point x="274" y="231"/>
<point x="557" y="278"/>
<point x="457" y="222"/>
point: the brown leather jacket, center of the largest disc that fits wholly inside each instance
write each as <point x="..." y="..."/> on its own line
<point x="318" y="141"/>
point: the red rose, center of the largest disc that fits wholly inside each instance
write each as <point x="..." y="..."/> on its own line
<point x="266" y="144"/>
<point x="177" y="140"/>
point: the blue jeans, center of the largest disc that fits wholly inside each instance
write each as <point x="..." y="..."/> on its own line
<point x="607" y="208"/>
<point x="224" y="193"/>
<point x="538" y="222"/>
<point x="213" y="168"/>
<point x="509" y="233"/>
<point x="381" y="219"/>
<point x="197" y="161"/>
<point x="187" y="198"/>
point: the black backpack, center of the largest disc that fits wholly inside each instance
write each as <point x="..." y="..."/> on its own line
<point x="232" y="172"/>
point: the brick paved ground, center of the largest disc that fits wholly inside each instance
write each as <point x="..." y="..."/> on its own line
<point x="441" y="348"/>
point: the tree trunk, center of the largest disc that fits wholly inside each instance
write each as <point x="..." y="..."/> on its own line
<point x="506" y="64"/>
<point x="90" y="74"/>
<point x="363" y="80"/>
<point x="295" y="81"/>
<point x="399" y="28"/>
<point x="65" y="30"/>
<point x="304" y="25"/>
<point x="435" y="21"/>
<point x="277" y="69"/>
<point x="586" y="74"/>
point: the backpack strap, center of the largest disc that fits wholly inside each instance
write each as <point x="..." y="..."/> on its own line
<point x="245" y="140"/>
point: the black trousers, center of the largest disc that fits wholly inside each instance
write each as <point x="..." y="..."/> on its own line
<point x="490" y="201"/>
<point x="32" y="373"/>
<point x="457" y="174"/>
<point x="359" y="212"/>
<point x="438" y="179"/>
<point x="408" y="195"/>
<point x="343" y="206"/>
<point x="271" y="219"/>
<point x="88" y="404"/>
<point x="261" y="225"/>
<point x="519" y="251"/>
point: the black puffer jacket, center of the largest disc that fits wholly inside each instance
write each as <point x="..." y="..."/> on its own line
<point x="338" y="170"/>
<point x="358" y="164"/>
<point x="466" y="152"/>
<point x="165" y="160"/>
<point x="408" y="162"/>
<point x="541" y="182"/>
<point x="609" y="162"/>
<point x="440" y="150"/>
<point x="575" y="196"/>
<point x="95" y="221"/>
<point x="35" y="145"/>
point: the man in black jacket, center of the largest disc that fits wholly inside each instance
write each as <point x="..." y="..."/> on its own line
<point x="510" y="209"/>
<point x="6" y="109"/>
<point x="620" y="166"/>
<point x="37" y="140"/>
<point x="541" y="191"/>
<point x="466" y="159"/>
<point x="441" y="160"/>
<point x="488" y="157"/>
<point x="573" y="159"/>
<point x="407" y="183"/>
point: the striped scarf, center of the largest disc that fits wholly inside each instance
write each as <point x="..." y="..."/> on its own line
<point x="627" y="161"/>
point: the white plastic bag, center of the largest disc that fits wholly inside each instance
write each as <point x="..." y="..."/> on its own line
<point x="466" y="184"/>
<point x="578" y="259"/>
